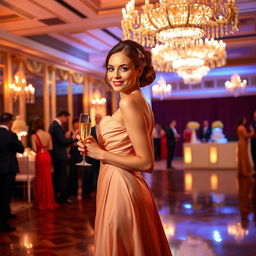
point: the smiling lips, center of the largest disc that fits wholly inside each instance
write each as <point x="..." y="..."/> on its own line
<point x="117" y="83"/>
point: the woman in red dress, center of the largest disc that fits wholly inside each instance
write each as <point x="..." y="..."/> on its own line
<point x="41" y="143"/>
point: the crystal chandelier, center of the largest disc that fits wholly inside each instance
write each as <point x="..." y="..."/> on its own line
<point x="97" y="99"/>
<point x="161" y="89"/>
<point x="236" y="86"/>
<point x="179" y="21"/>
<point x="191" y="62"/>
<point x="20" y="87"/>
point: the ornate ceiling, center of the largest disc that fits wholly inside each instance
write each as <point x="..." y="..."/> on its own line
<point x="78" y="33"/>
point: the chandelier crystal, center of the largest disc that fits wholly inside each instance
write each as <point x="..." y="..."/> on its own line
<point x="161" y="89"/>
<point x="20" y="87"/>
<point x="235" y="86"/>
<point x="178" y="20"/>
<point x="191" y="62"/>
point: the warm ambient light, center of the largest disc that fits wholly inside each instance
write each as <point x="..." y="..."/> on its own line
<point x="214" y="181"/>
<point x="213" y="155"/>
<point x="187" y="155"/>
<point x="188" y="181"/>
<point x="235" y="86"/>
<point x="20" y="87"/>
<point x="161" y="89"/>
<point x="179" y="21"/>
<point x="191" y="62"/>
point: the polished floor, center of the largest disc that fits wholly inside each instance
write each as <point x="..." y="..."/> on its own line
<point x="201" y="212"/>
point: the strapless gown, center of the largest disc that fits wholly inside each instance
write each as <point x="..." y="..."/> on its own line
<point x="127" y="221"/>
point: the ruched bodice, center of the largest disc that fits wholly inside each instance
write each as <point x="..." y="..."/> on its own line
<point x="112" y="136"/>
<point x="127" y="221"/>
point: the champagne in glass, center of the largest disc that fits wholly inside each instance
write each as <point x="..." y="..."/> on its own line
<point x="84" y="130"/>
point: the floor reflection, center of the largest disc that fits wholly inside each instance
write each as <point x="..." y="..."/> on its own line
<point x="208" y="213"/>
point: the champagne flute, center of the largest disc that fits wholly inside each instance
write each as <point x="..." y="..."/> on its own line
<point x="84" y="131"/>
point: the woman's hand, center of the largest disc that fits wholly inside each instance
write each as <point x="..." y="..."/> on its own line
<point x="90" y="147"/>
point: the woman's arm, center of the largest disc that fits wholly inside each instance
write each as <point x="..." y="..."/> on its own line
<point x="136" y="126"/>
<point x="50" y="143"/>
<point x="248" y="134"/>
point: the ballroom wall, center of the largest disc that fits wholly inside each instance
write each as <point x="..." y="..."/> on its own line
<point x="227" y="109"/>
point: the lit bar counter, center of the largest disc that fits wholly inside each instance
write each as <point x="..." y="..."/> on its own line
<point x="210" y="155"/>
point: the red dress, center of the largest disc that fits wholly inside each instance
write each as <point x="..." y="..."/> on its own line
<point x="44" y="194"/>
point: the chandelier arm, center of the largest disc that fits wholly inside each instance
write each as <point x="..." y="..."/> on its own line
<point x="151" y="21"/>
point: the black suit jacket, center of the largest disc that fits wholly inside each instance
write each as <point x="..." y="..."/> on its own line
<point x="9" y="146"/>
<point x="59" y="142"/>
<point x="170" y="136"/>
<point x="205" y="136"/>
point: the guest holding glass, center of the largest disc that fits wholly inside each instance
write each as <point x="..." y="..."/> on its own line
<point x="127" y="221"/>
<point x="41" y="143"/>
<point x="244" y="165"/>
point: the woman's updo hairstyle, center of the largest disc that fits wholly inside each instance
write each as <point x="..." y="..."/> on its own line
<point x="140" y="58"/>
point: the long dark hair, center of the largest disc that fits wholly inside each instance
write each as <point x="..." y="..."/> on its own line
<point x="140" y="58"/>
<point x="240" y="121"/>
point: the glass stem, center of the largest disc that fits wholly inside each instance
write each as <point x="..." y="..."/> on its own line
<point x="83" y="158"/>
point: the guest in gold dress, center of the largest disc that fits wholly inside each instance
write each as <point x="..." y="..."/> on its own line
<point x="244" y="165"/>
<point x="127" y="221"/>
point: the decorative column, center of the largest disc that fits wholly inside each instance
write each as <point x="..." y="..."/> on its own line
<point x="86" y="98"/>
<point x="70" y="100"/>
<point x="53" y="93"/>
<point x="46" y="98"/>
<point x="8" y="103"/>
<point x="22" y="106"/>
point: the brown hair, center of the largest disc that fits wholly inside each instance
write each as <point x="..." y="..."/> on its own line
<point x="37" y="124"/>
<point x="140" y="58"/>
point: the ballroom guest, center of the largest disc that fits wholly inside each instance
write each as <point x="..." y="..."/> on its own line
<point x="163" y="143"/>
<point x="127" y="221"/>
<point x="41" y="143"/>
<point x="59" y="156"/>
<point x="157" y="141"/>
<point x="9" y="146"/>
<point x="253" y="143"/>
<point x="205" y="132"/>
<point x="172" y="136"/>
<point x="244" y="165"/>
<point x="95" y="163"/>
<point x="75" y="158"/>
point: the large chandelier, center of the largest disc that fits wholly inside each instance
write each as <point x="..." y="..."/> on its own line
<point x="179" y="21"/>
<point x="191" y="62"/>
<point x="235" y="86"/>
<point x="21" y="88"/>
<point x="161" y="89"/>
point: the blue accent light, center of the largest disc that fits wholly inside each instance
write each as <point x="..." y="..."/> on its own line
<point x="216" y="236"/>
<point x="187" y="206"/>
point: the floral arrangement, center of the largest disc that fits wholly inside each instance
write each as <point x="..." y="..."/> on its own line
<point x="19" y="127"/>
<point x="217" y="124"/>
<point x="192" y="125"/>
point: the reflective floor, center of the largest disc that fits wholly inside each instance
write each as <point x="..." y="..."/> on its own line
<point x="204" y="213"/>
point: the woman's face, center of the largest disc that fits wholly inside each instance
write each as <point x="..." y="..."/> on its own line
<point x="121" y="73"/>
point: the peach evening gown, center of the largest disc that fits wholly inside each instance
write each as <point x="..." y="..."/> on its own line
<point x="127" y="221"/>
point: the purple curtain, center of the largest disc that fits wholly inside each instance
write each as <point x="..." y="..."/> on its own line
<point x="227" y="109"/>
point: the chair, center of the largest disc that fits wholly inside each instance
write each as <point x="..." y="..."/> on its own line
<point x="26" y="174"/>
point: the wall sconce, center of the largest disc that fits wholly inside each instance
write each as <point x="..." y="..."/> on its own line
<point x="214" y="181"/>
<point x="188" y="181"/>
<point x="20" y="87"/>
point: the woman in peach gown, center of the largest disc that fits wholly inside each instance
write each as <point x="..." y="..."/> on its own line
<point x="127" y="221"/>
<point x="244" y="165"/>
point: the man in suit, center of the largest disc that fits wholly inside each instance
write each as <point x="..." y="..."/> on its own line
<point x="253" y="143"/>
<point x="9" y="146"/>
<point x="59" y="156"/>
<point x="205" y="132"/>
<point x="172" y="136"/>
